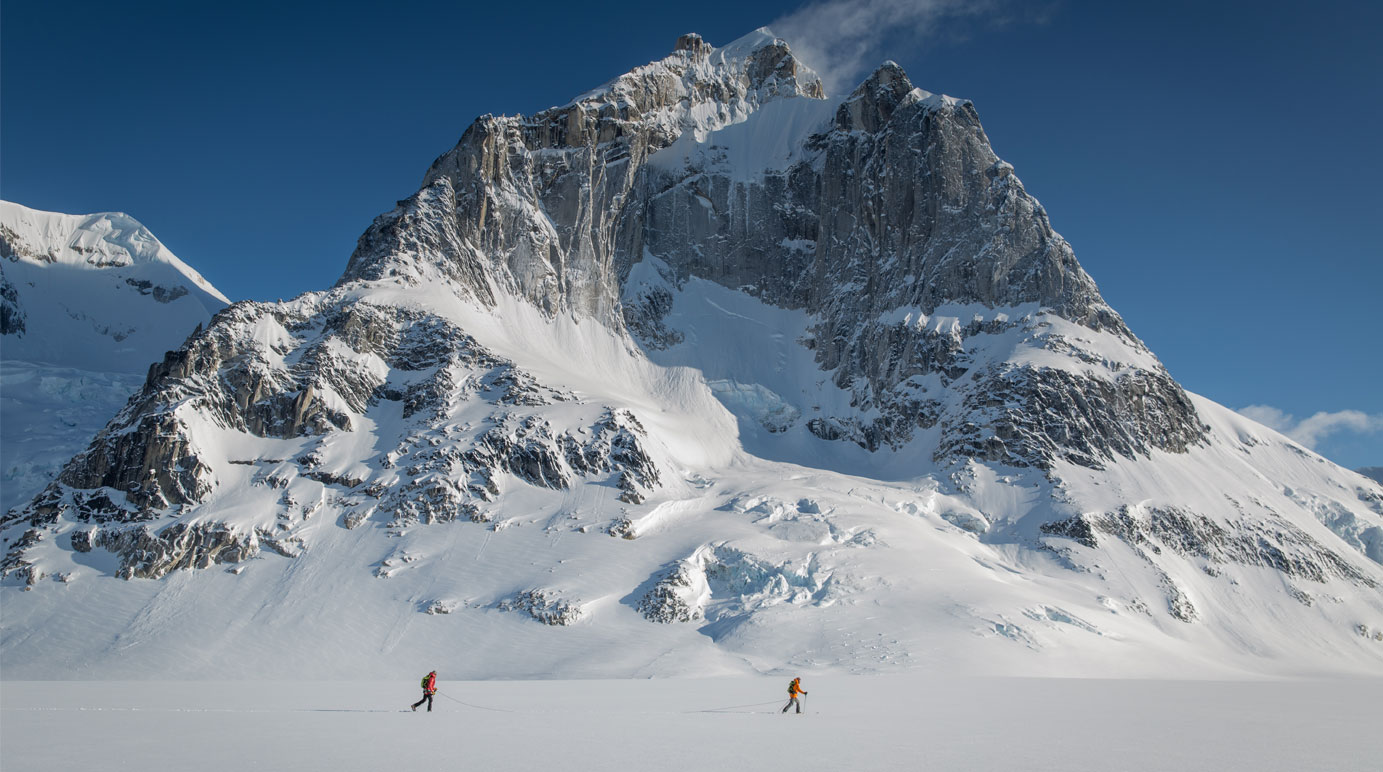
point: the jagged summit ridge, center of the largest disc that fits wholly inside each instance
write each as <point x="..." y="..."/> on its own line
<point x="730" y="165"/>
<point x="535" y="205"/>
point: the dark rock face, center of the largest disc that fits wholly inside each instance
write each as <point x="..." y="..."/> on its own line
<point x="903" y="208"/>
<point x="537" y="205"/>
<point x="146" y="554"/>
<point x="1275" y="544"/>
<point x="11" y="313"/>
<point x="1022" y="416"/>
<point x="160" y="293"/>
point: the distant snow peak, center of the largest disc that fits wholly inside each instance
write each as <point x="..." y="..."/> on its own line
<point x="87" y="302"/>
<point x="94" y="292"/>
<point x="102" y="240"/>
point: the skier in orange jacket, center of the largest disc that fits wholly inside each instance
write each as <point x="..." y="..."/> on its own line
<point x="429" y="689"/>
<point x="794" y="689"/>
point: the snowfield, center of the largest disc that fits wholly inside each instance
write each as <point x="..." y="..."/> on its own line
<point x="851" y="723"/>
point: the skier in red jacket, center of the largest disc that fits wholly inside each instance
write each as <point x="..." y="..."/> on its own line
<point x="429" y="689"/>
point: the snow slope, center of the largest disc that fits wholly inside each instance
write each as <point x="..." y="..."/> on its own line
<point x="797" y="565"/>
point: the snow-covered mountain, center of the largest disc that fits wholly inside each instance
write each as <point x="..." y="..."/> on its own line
<point x="86" y="303"/>
<point x="818" y="364"/>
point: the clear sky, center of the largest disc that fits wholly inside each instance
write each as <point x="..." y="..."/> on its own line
<point x="1214" y="164"/>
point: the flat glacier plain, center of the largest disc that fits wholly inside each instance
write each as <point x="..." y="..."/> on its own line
<point x="899" y="722"/>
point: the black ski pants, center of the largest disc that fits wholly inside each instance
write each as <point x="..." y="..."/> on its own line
<point x="427" y="697"/>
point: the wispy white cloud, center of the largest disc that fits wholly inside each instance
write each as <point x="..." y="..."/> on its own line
<point x="1310" y="431"/>
<point x="844" y="39"/>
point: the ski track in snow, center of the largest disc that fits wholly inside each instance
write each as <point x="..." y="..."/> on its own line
<point x="850" y="723"/>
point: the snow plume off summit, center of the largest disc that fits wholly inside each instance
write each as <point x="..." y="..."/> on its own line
<point x="709" y="370"/>
<point x="841" y="39"/>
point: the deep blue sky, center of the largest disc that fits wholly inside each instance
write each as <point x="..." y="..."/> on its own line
<point x="1215" y="165"/>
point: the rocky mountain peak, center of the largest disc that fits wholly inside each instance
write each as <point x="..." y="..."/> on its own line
<point x="694" y="44"/>
<point x="777" y="72"/>
<point x="872" y="103"/>
<point x="575" y="167"/>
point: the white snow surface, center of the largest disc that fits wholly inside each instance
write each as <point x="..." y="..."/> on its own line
<point x="47" y="415"/>
<point x="771" y="139"/>
<point x="849" y="723"/>
<point x="102" y="299"/>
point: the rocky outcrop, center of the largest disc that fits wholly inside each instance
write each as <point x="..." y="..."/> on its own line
<point x="1155" y="533"/>
<point x="12" y="315"/>
<point x="159" y="292"/>
<point x="16" y="563"/>
<point x="454" y="480"/>
<point x="1274" y="543"/>
<point x="312" y="370"/>
<point x="675" y="596"/>
<point x="544" y="605"/>
<point x="1030" y="417"/>
<point x="148" y="554"/>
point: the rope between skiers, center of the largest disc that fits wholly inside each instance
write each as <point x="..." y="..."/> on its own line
<point x="477" y="707"/>
<point x="732" y="708"/>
